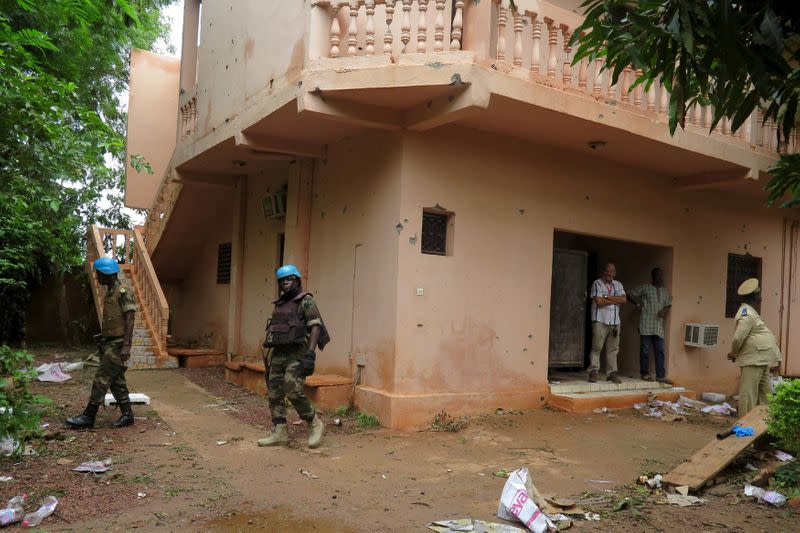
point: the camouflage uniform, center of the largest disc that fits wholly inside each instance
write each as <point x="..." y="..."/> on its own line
<point x="111" y="373"/>
<point x="284" y="376"/>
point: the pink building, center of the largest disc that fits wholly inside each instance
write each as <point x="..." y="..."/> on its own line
<point x="449" y="185"/>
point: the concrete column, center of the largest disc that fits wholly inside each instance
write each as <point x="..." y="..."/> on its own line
<point x="191" y="26"/>
<point x="480" y="29"/>
<point x="298" y="215"/>
<point x="237" y="267"/>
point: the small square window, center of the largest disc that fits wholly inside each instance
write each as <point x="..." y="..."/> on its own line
<point x="740" y="268"/>
<point x="436" y="233"/>
<point x="224" y="264"/>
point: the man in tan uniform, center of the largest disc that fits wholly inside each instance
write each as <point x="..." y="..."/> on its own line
<point x="753" y="348"/>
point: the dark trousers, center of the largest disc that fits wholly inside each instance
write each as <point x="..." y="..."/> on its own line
<point x="658" y="347"/>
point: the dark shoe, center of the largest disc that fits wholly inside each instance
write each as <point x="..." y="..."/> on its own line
<point x="665" y="381"/>
<point x="647" y="377"/>
<point x="614" y="378"/>
<point x="85" y="420"/>
<point x="593" y="376"/>
<point x="126" y="419"/>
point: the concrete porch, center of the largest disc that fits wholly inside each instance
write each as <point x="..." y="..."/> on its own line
<point x="572" y="392"/>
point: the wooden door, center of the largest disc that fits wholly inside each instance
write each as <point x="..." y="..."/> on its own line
<point x="568" y="308"/>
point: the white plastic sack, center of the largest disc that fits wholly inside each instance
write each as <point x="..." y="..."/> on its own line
<point x="53" y="373"/>
<point x="516" y="503"/>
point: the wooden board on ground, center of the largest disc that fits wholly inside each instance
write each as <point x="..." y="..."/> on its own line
<point x="717" y="454"/>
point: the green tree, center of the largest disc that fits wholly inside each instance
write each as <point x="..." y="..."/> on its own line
<point x="63" y="65"/>
<point x="736" y="56"/>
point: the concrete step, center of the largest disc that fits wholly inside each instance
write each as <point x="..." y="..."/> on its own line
<point x="584" y="402"/>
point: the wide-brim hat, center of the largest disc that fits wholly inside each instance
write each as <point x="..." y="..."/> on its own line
<point x="748" y="286"/>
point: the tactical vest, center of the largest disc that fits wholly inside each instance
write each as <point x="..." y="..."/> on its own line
<point x="113" y="321"/>
<point x="286" y="326"/>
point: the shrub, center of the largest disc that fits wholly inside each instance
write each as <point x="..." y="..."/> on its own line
<point x="364" y="420"/>
<point x="19" y="418"/>
<point x="784" y="415"/>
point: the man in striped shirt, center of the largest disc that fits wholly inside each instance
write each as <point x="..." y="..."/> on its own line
<point x="607" y="296"/>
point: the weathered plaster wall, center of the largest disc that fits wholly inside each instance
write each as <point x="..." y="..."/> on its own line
<point x="238" y="58"/>
<point x="152" y="123"/>
<point x="261" y="258"/>
<point x="200" y="312"/>
<point x="353" y="254"/>
<point x="482" y="323"/>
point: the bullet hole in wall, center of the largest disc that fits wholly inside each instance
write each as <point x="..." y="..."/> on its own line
<point x="413" y="239"/>
<point x="521" y="211"/>
<point x="399" y="228"/>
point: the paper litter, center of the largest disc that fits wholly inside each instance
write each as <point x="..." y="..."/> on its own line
<point x="136" y="397"/>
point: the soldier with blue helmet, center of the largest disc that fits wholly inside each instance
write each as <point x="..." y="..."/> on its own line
<point x="116" y="332"/>
<point x="293" y="334"/>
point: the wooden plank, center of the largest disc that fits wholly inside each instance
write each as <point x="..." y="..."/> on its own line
<point x="717" y="454"/>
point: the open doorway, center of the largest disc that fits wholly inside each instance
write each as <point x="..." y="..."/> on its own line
<point x="577" y="262"/>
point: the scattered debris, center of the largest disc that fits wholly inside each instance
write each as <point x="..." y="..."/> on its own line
<point x="141" y="495"/>
<point x="591" y="517"/>
<point x="297" y="423"/>
<point x="782" y="456"/>
<point x="516" y="502"/>
<point x="684" y="500"/>
<point x="654" y="482"/>
<point x="8" y="445"/>
<point x="309" y="474"/>
<point x="52" y="372"/>
<point x="221" y="442"/>
<point x="600" y="410"/>
<point x="445" y="422"/>
<point x="663" y="410"/>
<point x="713" y="397"/>
<point x="682" y="490"/>
<point x="469" y="524"/>
<point x="135" y="397"/>
<point x="751" y="467"/>
<point x="63" y="461"/>
<point x="770" y="496"/>
<point x="500" y="473"/>
<point x="47" y="508"/>
<point x="6" y="479"/>
<point x="337" y="421"/>
<point x="95" y="467"/>
<point x="724" y="409"/>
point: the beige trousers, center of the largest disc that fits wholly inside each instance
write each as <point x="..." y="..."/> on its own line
<point x="604" y="335"/>
<point x="754" y="386"/>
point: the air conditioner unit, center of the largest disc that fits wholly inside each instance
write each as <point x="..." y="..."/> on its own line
<point x="701" y="335"/>
<point x="274" y="205"/>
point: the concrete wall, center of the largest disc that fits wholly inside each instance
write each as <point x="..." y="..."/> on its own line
<point x="261" y="256"/>
<point x="482" y="323"/>
<point x="238" y="57"/>
<point x="152" y="123"/>
<point x="353" y="260"/>
<point x="200" y="305"/>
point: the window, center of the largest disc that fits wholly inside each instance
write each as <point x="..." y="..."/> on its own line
<point x="437" y="232"/>
<point x="224" y="263"/>
<point x="740" y="268"/>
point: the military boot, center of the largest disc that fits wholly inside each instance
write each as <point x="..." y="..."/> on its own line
<point x="85" y="420"/>
<point x="279" y="437"/>
<point x="315" y="430"/>
<point x="126" y="418"/>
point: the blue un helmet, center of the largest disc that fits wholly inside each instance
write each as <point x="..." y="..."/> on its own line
<point x="287" y="270"/>
<point x="106" y="265"/>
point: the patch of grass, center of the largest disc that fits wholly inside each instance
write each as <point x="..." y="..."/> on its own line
<point x="180" y="448"/>
<point x="140" y="478"/>
<point x="342" y="410"/>
<point x="150" y="414"/>
<point x="364" y="420"/>
<point x="172" y="492"/>
<point x="463" y="440"/>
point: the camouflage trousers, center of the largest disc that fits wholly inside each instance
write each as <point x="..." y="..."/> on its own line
<point x="110" y="374"/>
<point x="284" y="380"/>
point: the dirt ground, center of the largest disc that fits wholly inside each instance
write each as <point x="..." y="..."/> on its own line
<point x="170" y="473"/>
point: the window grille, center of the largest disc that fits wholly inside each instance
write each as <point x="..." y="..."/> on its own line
<point x="740" y="268"/>
<point x="224" y="263"/>
<point x="434" y="233"/>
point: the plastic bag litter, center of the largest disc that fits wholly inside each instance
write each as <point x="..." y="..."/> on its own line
<point x="516" y="503"/>
<point x="684" y="500"/>
<point x="782" y="456"/>
<point x="52" y="372"/>
<point x="471" y="525"/>
<point x="36" y="518"/>
<point x="770" y="496"/>
<point x="8" y="445"/>
<point x="95" y="467"/>
<point x="740" y="431"/>
<point x="724" y="409"/>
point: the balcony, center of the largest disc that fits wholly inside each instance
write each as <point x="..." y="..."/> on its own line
<point x="415" y="65"/>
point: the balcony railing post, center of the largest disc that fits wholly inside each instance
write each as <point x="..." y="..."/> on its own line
<point x="388" y="38"/>
<point x="458" y="26"/>
<point x="536" y="37"/>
